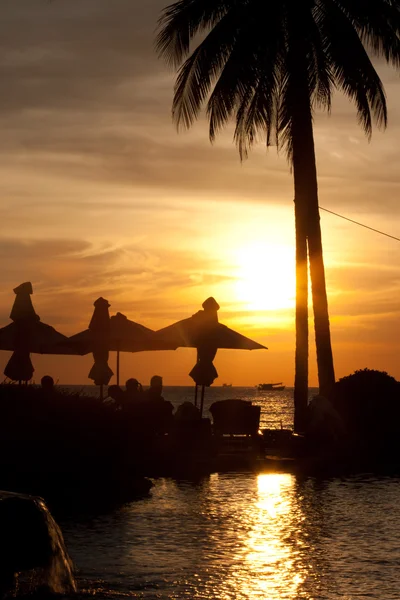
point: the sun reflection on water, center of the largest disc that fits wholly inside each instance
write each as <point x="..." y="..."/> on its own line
<point x="244" y="536"/>
<point x="269" y="560"/>
<point x="269" y="554"/>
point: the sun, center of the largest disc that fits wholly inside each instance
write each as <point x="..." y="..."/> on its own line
<point x="265" y="276"/>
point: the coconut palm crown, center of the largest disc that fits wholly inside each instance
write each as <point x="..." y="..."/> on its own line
<point x="268" y="64"/>
<point x="246" y="60"/>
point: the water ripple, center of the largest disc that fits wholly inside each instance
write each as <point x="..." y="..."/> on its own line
<point x="246" y="536"/>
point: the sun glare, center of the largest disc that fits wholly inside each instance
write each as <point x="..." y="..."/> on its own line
<point x="266" y="276"/>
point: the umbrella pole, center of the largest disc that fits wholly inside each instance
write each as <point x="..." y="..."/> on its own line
<point x="195" y="395"/>
<point x="101" y="392"/>
<point x="202" y="400"/>
<point x="117" y="367"/>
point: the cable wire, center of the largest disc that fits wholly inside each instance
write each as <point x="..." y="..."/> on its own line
<point x="360" y="224"/>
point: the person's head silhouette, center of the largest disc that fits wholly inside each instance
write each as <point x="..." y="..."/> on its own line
<point x="132" y="385"/>
<point x="156" y="383"/>
<point x="115" y="392"/>
<point x="155" y="390"/>
<point x="47" y="383"/>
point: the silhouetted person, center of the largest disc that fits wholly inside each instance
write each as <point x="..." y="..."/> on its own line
<point x="48" y="408"/>
<point x="134" y="390"/>
<point x="47" y="383"/>
<point x="117" y="394"/>
<point x="48" y="390"/>
<point x="155" y="390"/>
<point x="187" y="412"/>
<point x="156" y="411"/>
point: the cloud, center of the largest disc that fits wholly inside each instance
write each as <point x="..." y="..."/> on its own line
<point x="71" y="53"/>
<point x="88" y="99"/>
<point x="68" y="275"/>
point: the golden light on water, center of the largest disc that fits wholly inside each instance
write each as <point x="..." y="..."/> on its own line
<point x="265" y="276"/>
<point x="266" y="549"/>
<point x="268" y="552"/>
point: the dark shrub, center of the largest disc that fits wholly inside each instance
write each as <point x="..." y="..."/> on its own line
<point x="369" y="403"/>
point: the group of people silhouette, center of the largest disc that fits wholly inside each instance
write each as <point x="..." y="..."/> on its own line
<point x="136" y="402"/>
<point x="134" y="392"/>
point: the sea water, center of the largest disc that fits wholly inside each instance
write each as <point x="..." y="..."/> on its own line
<point x="239" y="536"/>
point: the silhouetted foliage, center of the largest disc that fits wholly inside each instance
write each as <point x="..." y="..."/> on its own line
<point x="64" y="440"/>
<point x="369" y="403"/>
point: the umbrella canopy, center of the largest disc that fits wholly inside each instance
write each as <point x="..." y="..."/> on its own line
<point x="41" y="338"/>
<point x="123" y="335"/>
<point x="128" y="336"/>
<point x="119" y="333"/>
<point x="26" y="334"/>
<point x="204" y="332"/>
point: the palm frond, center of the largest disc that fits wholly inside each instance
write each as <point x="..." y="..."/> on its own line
<point x="201" y="70"/>
<point x="321" y="79"/>
<point x="247" y="79"/>
<point x="247" y="63"/>
<point x="285" y="114"/>
<point x="180" y="22"/>
<point x="378" y="25"/>
<point x="352" y="68"/>
<point x="256" y="114"/>
<point x="247" y="85"/>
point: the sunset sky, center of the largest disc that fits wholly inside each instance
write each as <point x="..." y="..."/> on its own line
<point x="100" y="196"/>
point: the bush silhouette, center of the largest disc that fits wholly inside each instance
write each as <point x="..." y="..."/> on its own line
<point x="49" y="441"/>
<point x="369" y="403"/>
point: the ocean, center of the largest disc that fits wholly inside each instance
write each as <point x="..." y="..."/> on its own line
<point x="242" y="536"/>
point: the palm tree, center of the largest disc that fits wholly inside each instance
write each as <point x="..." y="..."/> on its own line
<point x="269" y="64"/>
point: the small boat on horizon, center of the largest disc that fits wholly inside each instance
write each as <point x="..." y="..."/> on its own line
<point x="226" y="385"/>
<point x="271" y="387"/>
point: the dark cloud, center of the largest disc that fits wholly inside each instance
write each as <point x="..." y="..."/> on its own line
<point x="71" y="53"/>
<point x="87" y="98"/>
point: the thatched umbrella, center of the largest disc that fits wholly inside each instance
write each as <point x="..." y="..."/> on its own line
<point x="26" y="335"/>
<point x="106" y="334"/>
<point x="128" y="336"/>
<point x="203" y="332"/>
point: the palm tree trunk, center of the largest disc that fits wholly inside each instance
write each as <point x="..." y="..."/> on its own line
<point x="326" y="372"/>
<point x="306" y="197"/>
<point x="301" y="356"/>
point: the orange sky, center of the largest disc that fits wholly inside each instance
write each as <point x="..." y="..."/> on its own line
<point x="101" y="197"/>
